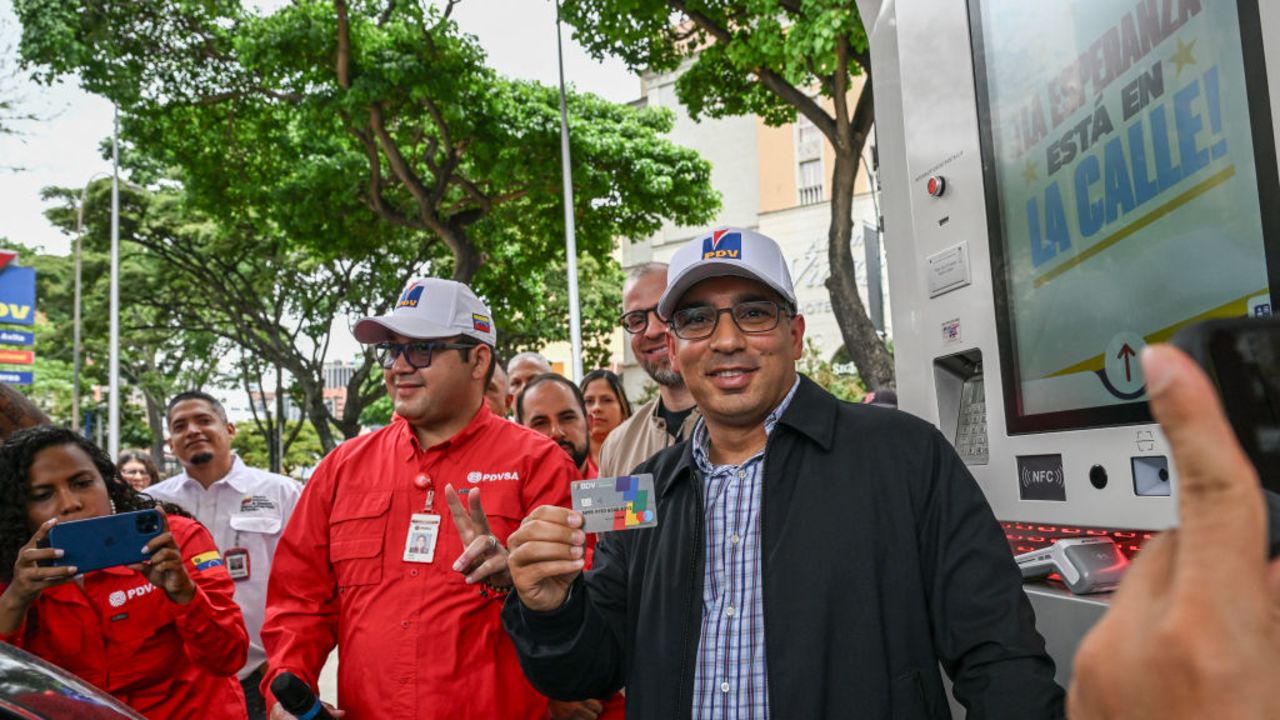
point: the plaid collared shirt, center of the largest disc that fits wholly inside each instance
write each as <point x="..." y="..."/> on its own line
<point x="729" y="680"/>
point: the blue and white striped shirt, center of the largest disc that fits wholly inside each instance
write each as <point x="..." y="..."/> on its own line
<point x="729" y="680"/>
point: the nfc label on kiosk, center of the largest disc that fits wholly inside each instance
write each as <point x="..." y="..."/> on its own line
<point x="1040" y="477"/>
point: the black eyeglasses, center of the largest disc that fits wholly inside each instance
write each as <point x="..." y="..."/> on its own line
<point x="752" y="317"/>
<point x="636" y="321"/>
<point x="417" y="354"/>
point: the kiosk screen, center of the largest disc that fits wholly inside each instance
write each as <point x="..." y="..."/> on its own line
<point x="1123" y="173"/>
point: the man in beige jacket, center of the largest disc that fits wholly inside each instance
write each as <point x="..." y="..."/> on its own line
<point x="668" y="418"/>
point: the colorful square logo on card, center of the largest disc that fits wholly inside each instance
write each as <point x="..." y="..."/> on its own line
<point x="722" y="245"/>
<point x="637" y="510"/>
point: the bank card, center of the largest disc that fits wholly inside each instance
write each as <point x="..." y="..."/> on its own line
<point x="625" y="502"/>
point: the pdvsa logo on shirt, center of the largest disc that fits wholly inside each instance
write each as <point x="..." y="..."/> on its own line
<point x="255" y="503"/>
<point x="475" y="477"/>
<point x="120" y="597"/>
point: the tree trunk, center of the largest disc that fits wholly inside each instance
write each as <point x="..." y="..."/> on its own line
<point x="312" y="386"/>
<point x="466" y="259"/>
<point x="156" y="421"/>
<point x="861" y="342"/>
<point x="358" y="397"/>
<point x="288" y="443"/>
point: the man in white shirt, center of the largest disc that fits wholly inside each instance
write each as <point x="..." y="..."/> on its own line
<point x="245" y="509"/>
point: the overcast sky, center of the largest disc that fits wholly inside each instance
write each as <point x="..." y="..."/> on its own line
<point x="63" y="149"/>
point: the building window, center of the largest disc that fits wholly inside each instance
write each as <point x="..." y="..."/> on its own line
<point x="810" y="184"/>
<point x="808" y="139"/>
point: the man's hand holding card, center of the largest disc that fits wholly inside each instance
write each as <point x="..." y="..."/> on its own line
<point x="548" y="551"/>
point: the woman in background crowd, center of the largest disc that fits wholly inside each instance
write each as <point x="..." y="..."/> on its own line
<point x="138" y="469"/>
<point x="607" y="407"/>
<point x="164" y="636"/>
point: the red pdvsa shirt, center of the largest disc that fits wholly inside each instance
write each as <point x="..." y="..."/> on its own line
<point x="415" y="641"/>
<point x="124" y="635"/>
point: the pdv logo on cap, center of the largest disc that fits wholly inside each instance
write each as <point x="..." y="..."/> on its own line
<point x="722" y="244"/>
<point x="410" y="297"/>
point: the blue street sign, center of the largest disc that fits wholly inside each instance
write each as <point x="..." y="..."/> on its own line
<point x="16" y="378"/>
<point x="17" y="337"/>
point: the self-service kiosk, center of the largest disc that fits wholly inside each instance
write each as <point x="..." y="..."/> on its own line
<point x="1064" y="182"/>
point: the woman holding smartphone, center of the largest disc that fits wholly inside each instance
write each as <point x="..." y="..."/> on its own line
<point x="164" y="636"/>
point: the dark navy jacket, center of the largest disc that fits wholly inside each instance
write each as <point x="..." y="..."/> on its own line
<point x="881" y="559"/>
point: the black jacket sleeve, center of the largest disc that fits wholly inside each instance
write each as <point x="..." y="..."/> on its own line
<point x="983" y="624"/>
<point x="578" y="650"/>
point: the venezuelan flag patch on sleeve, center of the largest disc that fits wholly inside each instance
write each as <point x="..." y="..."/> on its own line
<point x="207" y="560"/>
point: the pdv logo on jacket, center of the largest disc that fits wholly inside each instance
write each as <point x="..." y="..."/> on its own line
<point x="120" y="597"/>
<point x="722" y="244"/>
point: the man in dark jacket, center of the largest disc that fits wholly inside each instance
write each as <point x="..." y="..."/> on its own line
<point x="813" y="559"/>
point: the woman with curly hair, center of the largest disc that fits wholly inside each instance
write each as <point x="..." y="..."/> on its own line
<point x="163" y="636"/>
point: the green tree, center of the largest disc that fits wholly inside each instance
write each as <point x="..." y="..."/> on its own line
<point x="159" y="354"/>
<point x="378" y="412"/>
<point x="446" y="149"/>
<point x="150" y="363"/>
<point x="52" y="383"/>
<point x="543" y="320"/>
<point x="247" y="286"/>
<point x="774" y="59"/>
<point x="250" y="443"/>
<point x="363" y="143"/>
<point x="819" y="369"/>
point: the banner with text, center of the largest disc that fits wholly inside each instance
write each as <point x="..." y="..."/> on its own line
<point x="17" y="295"/>
<point x="17" y="337"/>
<point x="1126" y="182"/>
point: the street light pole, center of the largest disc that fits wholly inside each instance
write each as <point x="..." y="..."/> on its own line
<point x="113" y="400"/>
<point x="75" y="332"/>
<point x="570" y="239"/>
<point x="75" y="352"/>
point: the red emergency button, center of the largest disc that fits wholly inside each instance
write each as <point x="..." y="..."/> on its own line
<point x="936" y="185"/>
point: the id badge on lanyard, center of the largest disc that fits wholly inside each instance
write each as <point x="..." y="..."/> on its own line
<point x="237" y="562"/>
<point x="236" y="559"/>
<point x="424" y="527"/>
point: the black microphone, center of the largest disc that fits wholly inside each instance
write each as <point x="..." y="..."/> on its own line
<point x="297" y="698"/>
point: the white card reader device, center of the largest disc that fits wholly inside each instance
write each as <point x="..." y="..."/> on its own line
<point x="1087" y="565"/>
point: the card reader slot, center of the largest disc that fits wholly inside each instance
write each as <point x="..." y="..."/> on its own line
<point x="962" y="406"/>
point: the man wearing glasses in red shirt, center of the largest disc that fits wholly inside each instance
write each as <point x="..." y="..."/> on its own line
<point x="373" y="563"/>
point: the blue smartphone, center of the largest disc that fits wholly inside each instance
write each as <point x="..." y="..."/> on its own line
<point x="103" y="542"/>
